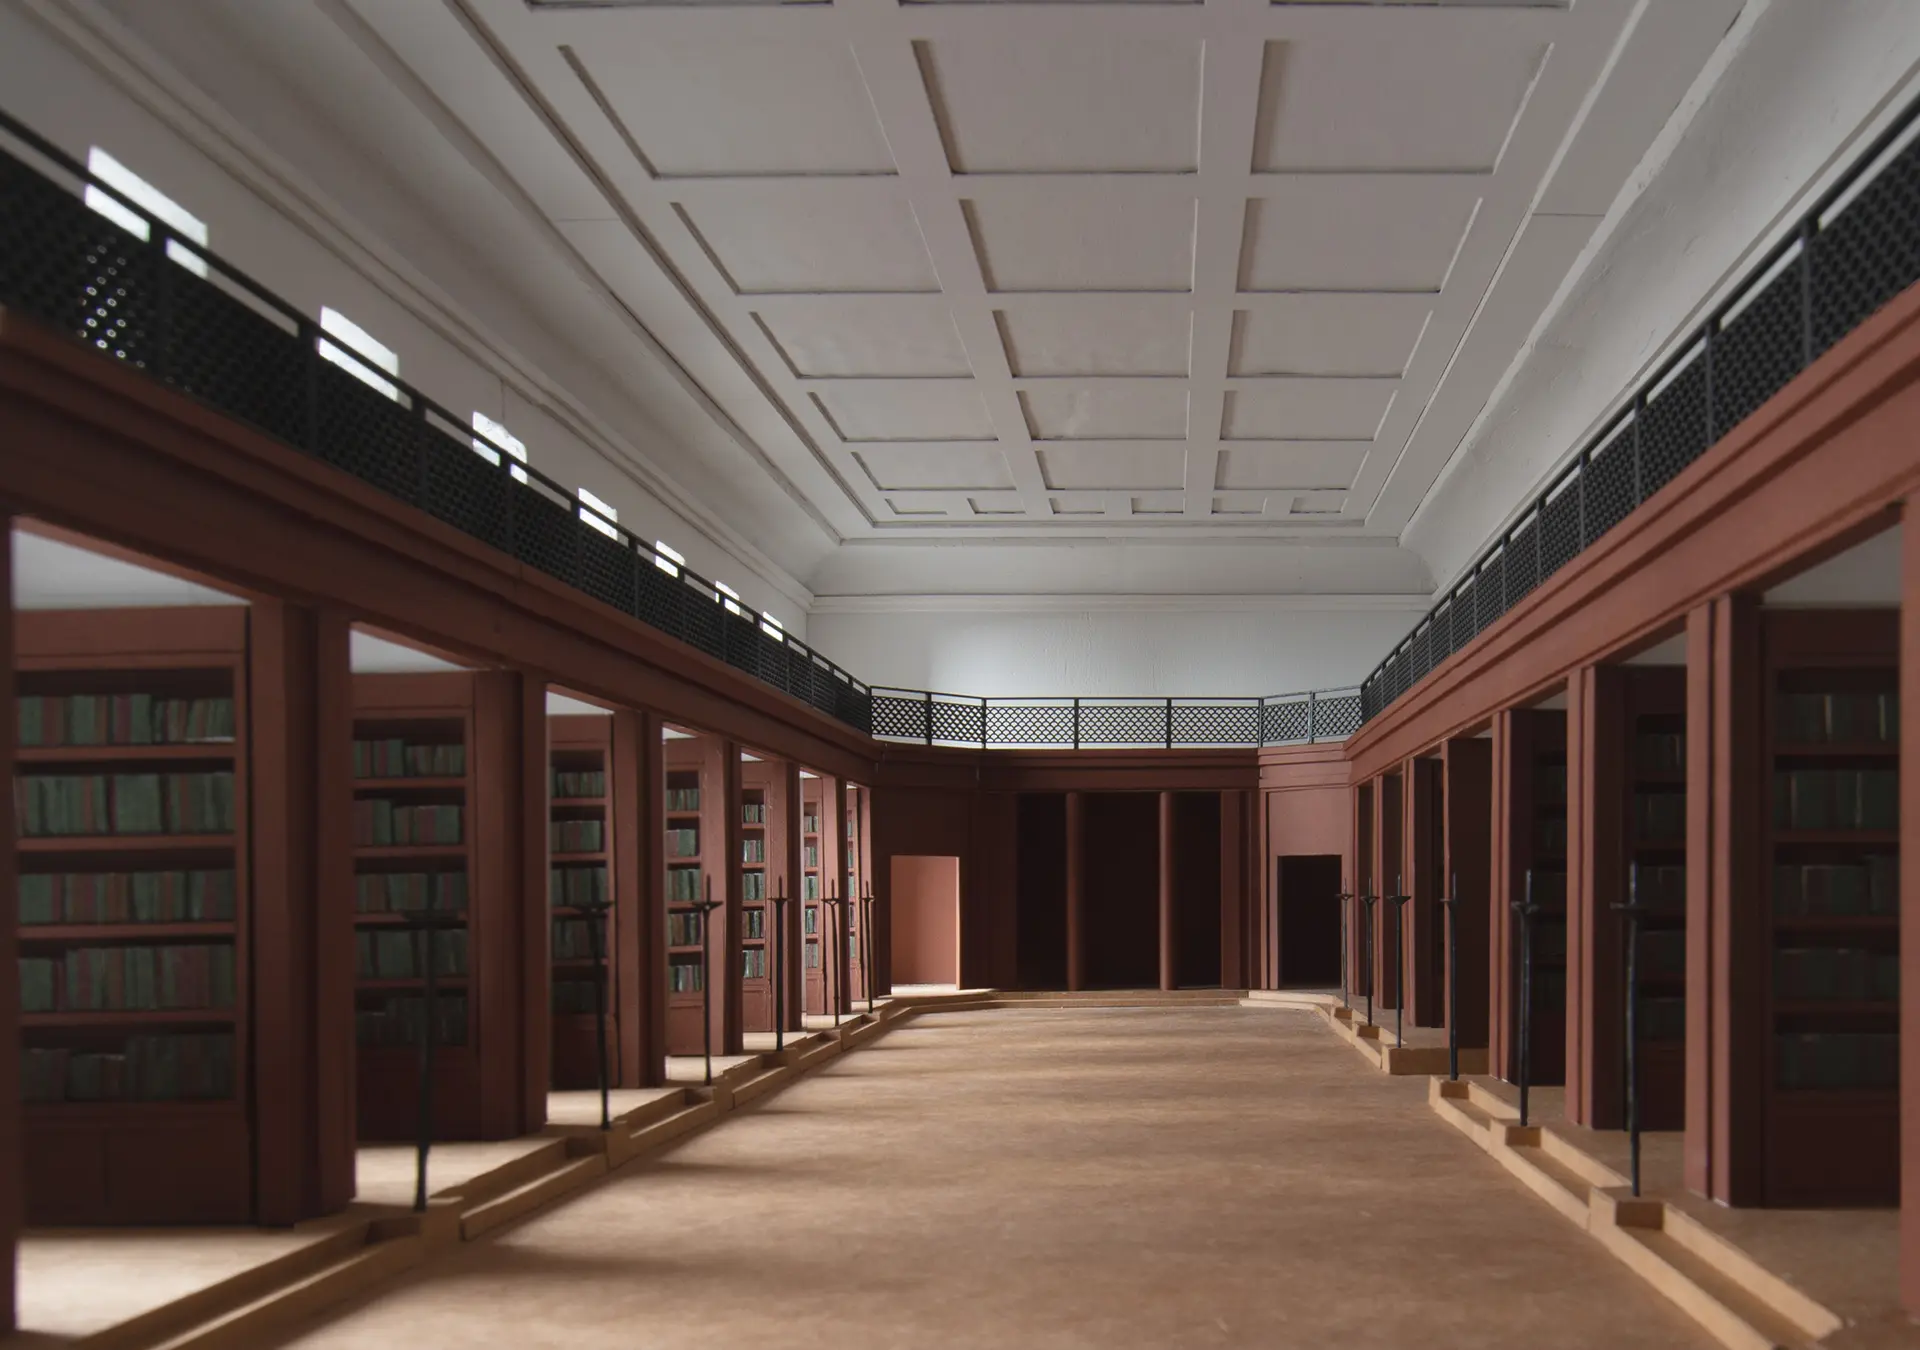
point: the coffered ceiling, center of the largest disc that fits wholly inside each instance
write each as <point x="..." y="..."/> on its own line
<point x="998" y="271"/>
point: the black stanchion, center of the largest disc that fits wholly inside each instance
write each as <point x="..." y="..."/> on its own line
<point x="1633" y="909"/>
<point x="830" y="971"/>
<point x="595" y="912"/>
<point x="1526" y="910"/>
<point x="1370" y="901"/>
<point x="426" y="923"/>
<point x="706" y="908"/>
<point x="867" y="942"/>
<point x="1346" y="899"/>
<point x="777" y="944"/>
<point x="1447" y="902"/>
<point x="1399" y="964"/>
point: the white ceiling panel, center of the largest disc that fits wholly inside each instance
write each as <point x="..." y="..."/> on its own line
<point x="868" y="335"/>
<point x="738" y="107"/>
<point x="1101" y="104"/>
<point x="1097" y="335"/>
<point x="1122" y="410"/>
<point x="1240" y="503"/>
<point x="1394" y="105"/>
<point x="1307" y="409"/>
<point x="1328" y="334"/>
<point x="907" y="410"/>
<point x="1158" y="504"/>
<point x="950" y="467"/>
<point x="1290" y="464"/>
<point x="810" y="238"/>
<point x="1113" y="466"/>
<point x="1343" y="232"/>
<point x="1065" y="239"/>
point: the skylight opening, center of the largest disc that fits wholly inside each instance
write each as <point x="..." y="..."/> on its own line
<point x="730" y="598"/>
<point x="358" y="353"/>
<point x="149" y="199"/>
<point x="500" y="436"/>
<point x="667" y="558"/>
<point x="771" y="626"/>
<point x="598" y="514"/>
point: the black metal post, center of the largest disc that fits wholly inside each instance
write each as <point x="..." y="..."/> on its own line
<point x="841" y="1003"/>
<point x="1370" y="901"/>
<point x="1399" y="965"/>
<point x="1453" y="980"/>
<point x="595" y="912"/>
<point x="1346" y="899"/>
<point x="1633" y="910"/>
<point x="706" y="908"/>
<point x="776" y="943"/>
<point x="425" y="922"/>
<point x="1526" y="909"/>
<point x="867" y="942"/>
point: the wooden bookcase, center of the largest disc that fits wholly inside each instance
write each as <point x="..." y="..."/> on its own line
<point x="1536" y="838"/>
<point x="1830" y="708"/>
<point x="815" y="919"/>
<point x="1655" y="840"/>
<point x="760" y="836"/>
<point x="695" y="841"/>
<point x="134" y="993"/>
<point x="580" y="856"/>
<point x="856" y="881"/>
<point x="429" y="721"/>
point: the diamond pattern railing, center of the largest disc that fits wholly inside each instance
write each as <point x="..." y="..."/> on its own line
<point x="1854" y="251"/>
<point x="1087" y="723"/>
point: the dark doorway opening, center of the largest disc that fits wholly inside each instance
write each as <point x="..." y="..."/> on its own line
<point x="1309" y="889"/>
<point x="1040" y="889"/>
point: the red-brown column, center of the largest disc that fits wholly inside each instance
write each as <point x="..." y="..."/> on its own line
<point x="1467" y="804"/>
<point x="729" y="1007"/>
<point x="1362" y="875"/>
<point x="1169" y="914"/>
<point x="636" y="956"/>
<point x="1076" y="894"/>
<point x="1599" y="735"/>
<point x="650" y="807"/>
<point x="1910" y="922"/>
<point x="1237" y="889"/>
<point x="1426" y="973"/>
<point x="833" y="882"/>
<point x="1502" y="1061"/>
<point x="300" y="698"/>
<point x="12" y="1159"/>
<point x="789" y="871"/>
<point x="1389" y="878"/>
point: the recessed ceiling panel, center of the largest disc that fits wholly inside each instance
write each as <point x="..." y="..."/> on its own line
<point x="1058" y="239"/>
<point x="1338" y="232"/>
<point x="1113" y="466"/>
<point x="739" y="105"/>
<point x="1398" y="104"/>
<point x="1097" y="335"/>
<point x="1104" y="104"/>
<point x="900" y="467"/>
<point x="814" y="239"/>
<point x="1317" y="504"/>
<point x="1119" y="410"/>
<point x="1240" y="504"/>
<point x="1290" y="464"/>
<point x="907" y="410"/>
<point x="868" y="335"/>
<point x="921" y="504"/>
<point x="1158" y="503"/>
<point x="1307" y="410"/>
<point x="1327" y="334"/>
<point x="1078" y="504"/>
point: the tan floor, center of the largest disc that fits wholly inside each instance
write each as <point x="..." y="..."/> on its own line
<point x="384" y="1173"/>
<point x="1113" y="1179"/>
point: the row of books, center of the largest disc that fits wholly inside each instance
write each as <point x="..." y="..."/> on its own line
<point x="401" y="1020"/>
<point x="809" y="887"/>
<point x="753" y="813"/>
<point x="577" y="886"/>
<point x="129" y="979"/>
<point x="167" y="1068"/>
<point x="397" y="757"/>
<point x="813" y="956"/>
<point x="55" y="805"/>
<point x="1838" y="719"/>
<point x="379" y="823"/>
<point x="575" y="997"/>
<point x="1849" y="973"/>
<point x="683" y="929"/>
<point x="410" y="892"/>
<point x="1836" y="799"/>
<point x="753" y="923"/>
<point x="683" y="843"/>
<point x="685" y="977"/>
<point x="753" y="850"/>
<point x="753" y="963"/>
<point x="1550" y="836"/>
<point x="1838" y="890"/>
<point x="579" y="783"/>
<point x="810" y="824"/>
<point x="398" y="954"/>
<point x="1663" y="954"/>
<point x="1660" y="752"/>
<point x="1549" y="990"/>
<point x="576" y="836"/>
<point x="813" y="855"/>
<point x="1843" y="1060"/>
<point x="753" y="885"/>
<point x="1549" y="783"/>
<point x="1549" y="888"/>
<point x="683" y="799"/>
<point x="683" y="884"/>
<point x="1663" y="1018"/>
<point x="198" y="896"/>
<point x="577" y="940"/>
<point x="1659" y="816"/>
<point x="810" y="919"/>
<point x="1664" y="887"/>
<point x="122" y="719"/>
<point x="1549" y="939"/>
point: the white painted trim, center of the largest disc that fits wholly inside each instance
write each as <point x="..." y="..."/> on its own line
<point x="1151" y="604"/>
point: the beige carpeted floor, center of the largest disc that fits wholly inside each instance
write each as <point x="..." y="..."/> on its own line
<point x="1049" y="1179"/>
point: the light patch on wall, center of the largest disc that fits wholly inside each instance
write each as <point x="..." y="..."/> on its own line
<point x="598" y="514"/>
<point x="149" y="199"/>
<point x="362" y="356"/>
<point x="497" y="433"/>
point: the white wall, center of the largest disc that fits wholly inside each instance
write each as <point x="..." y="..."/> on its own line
<point x="1804" y="83"/>
<point x="1183" y="649"/>
<point x="47" y="83"/>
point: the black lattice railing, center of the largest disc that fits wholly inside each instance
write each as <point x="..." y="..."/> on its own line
<point x="1090" y="723"/>
<point x="1854" y="251"/>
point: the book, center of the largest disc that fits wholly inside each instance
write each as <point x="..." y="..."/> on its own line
<point x="1837" y="1060"/>
<point x="683" y="884"/>
<point x="753" y="850"/>
<point x="753" y="885"/>
<point x="577" y="885"/>
<point x="401" y="1020"/>
<point x="576" y="997"/>
<point x="683" y="843"/>
<point x="1837" y="799"/>
<point x="410" y="892"/>
<point x="683" y="929"/>
<point x="130" y="979"/>
<point x="753" y="813"/>
<point x="1660" y="816"/>
<point x="753" y="964"/>
<point x="1660" y="752"/>
<point x="396" y="757"/>
<point x="579" y="783"/>
<point x="576" y="836"/>
<point x="686" y="977"/>
<point x="47" y="721"/>
<point x="753" y="923"/>
<point x="380" y="823"/>
<point x="683" y="799"/>
<point x="195" y="896"/>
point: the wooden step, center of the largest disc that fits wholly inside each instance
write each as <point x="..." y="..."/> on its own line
<point x="295" y="1301"/>
<point x="531" y="1195"/>
<point x="767" y="1080"/>
<point x="1453" y="1104"/>
<point x="1542" y="1173"/>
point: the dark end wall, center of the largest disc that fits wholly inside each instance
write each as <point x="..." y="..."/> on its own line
<point x="1123" y="889"/>
<point x="1041" y="889"/>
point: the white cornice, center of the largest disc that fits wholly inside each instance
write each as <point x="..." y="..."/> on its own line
<point x="1108" y="604"/>
<point x="100" y="40"/>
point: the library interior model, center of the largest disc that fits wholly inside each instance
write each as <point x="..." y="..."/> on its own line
<point x="1102" y="676"/>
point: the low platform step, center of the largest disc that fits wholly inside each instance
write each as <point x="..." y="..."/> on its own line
<point x="291" y="1303"/>
<point x="529" y="1196"/>
<point x="1727" y="1310"/>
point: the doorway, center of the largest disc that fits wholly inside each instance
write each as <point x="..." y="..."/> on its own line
<point x="926" y="921"/>
<point x="1308" y="891"/>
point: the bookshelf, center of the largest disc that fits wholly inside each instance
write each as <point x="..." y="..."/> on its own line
<point x="132" y="793"/>
<point x="762" y="836"/>
<point x="580" y="796"/>
<point x="856" y="880"/>
<point x="813" y="915"/>
<point x="1831" y="714"/>
<point x="1655" y="840"/>
<point x="415" y="775"/>
<point x="692" y="839"/>
<point x="1536" y="839"/>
